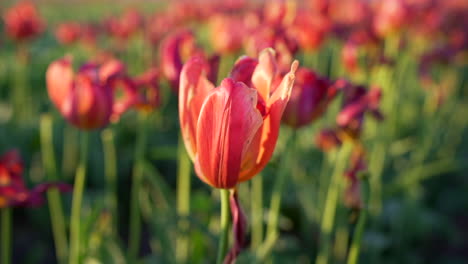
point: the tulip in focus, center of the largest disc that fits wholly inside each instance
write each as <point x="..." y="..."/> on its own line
<point x="230" y="131"/>
<point x="23" y="22"/>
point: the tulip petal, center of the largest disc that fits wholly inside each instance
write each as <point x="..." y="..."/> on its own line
<point x="59" y="79"/>
<point x="194" y="87"/>
<point x="227" y="124"/>
<point x="264" y="142"/>
<point x="243" y="70"/>
<point x="265" y="73"/>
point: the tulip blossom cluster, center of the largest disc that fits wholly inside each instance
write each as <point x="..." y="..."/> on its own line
<point x="88" y="99"/>
<point x="13" y="191"/>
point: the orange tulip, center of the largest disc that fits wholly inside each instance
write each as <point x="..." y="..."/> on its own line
<point x="230" y="132"/>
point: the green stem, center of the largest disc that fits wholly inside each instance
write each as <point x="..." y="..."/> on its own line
<point x="224" y="226"/>
<point x="110" y="171"/>
<point x="257" y="211"/>
<point x="6" y="235"/>
<point x="78" y="189"/>
<point x="183" y="203"/>
<point x="356" y="244"/>
<point x="355" y="248"/>
<point x="275" y="203"/>
<point x="135" y="217"/>
<point x="53" y="195"/>
<point x="70" y="151"/>
<point x="331" y="202"/>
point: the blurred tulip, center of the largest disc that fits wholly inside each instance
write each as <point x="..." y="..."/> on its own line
<point x="309" y="99"/>
<point x="230" y="132"/>
<point x="124" y="27"/>
<point x="310" y="29"/>
<point x="352" y="196"/>
<point x="13" y="191"/>
<point x="357" y="101"/>
<point x="277" y="38"/>
<point x="350" y="56"/>
<point x="177" y="48"/>
<point x="227" y="33"/>
<point x="389" y="17"/>
<point x="68" y="33"/>
<point x="147" y="86"/>
<point x="82" y="98"/>
<point x="23" y="22"/>
<point x="327" y="139"/>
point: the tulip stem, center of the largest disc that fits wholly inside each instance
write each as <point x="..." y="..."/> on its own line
<point x="224" y="226"/>
<point x="329" y="212"/>
<point x="135" y="217"/>
<point x="110" y="171"/>
<point x="353" y="257"/>
<point x="55" y="204"/>
<point x="6" y="235"/>
<point x="78" y="188"/>
<point x="183" y="203"/>
<point x="275" y="203"/>
<point x="257" y="211"/>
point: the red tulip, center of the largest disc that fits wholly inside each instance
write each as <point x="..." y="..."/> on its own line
<point x="68" y="33"/>
<point x="230" y="132"/>
<point x="309" y="98"/>
<point x="13" y="191"/>
<point x="82" y="98"/>
<point x="22" y="21"/>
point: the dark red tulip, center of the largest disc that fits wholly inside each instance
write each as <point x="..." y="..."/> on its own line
<point x="68" y="33"/>
<point x="309" y="99"/>
<point x="357" y="101"/>
<point x="352" y="196"/>
<point x="13" y="191"/>
<point x="23" y="22"/>
<point x="82" y="98"/>
<point x="147" y="87"/>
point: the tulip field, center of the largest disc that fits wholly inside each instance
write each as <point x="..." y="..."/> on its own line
<point x="236" y="131"/>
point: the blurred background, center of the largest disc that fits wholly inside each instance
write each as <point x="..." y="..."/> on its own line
<point x="413" y="185"/>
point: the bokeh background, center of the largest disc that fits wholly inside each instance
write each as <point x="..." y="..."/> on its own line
<point x="416" y="157"/>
